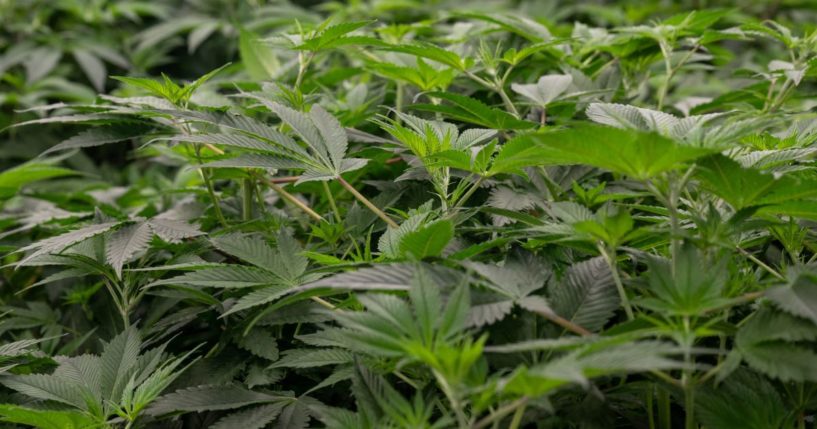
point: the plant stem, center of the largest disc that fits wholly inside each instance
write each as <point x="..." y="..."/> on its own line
<point x="517" y="416"/>
<point x="501" y="412"/>
<point x="469" y="192"/>
<point x="506" y="100"/>
<point x="564" y="323"/>
<point x="649" y="406"/>
<point x="324" y="302"/>
<point x="214" y="199"/>
<point x="367" y="203"/>
<point x="118" y="302"/>
<point x="210" y="189"/>
<point x="303" y="64"/>
<point x="666" y="51"/>
<point x="766" y="267"/>
<point x="295" y="201"/>
<point x="285" y="179"/>
<point x="499" y="88"/>
<point x="247" y="186"/>
<point x="332" y="202"/>
<point x="687" y="381"/>
<point x="456" y="405"/>
<point x="664" y="409"/>
<point x="609" y="257"/>
<point x="398" y="100"/>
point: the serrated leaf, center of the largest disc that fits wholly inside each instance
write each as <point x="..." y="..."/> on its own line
<point x="310" y="358"/>
<point x="210" y="397"/>
<point x="46" y="419"/>
<point x="61" y="242"/>
<point x="476" y="112"/>
<point x="98" y="136"/>
<point x="427" y="241"/>
<point x="586" y="295"/>
<point x="799" y="298"/>
<point x="173" y="230"/>
<point x="637" y="154"/>
<point x="118" y="360"/>
<point x="251" y="418"/>
<point x="126" y="242"/>
<point x="227" y="276"/>
<point x="260" y="343"/>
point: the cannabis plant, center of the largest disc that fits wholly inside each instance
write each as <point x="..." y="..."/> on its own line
<point x="396" y="214"/>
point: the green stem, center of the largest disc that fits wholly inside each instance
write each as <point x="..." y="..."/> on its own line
<point x="469" y="192"/>
<point x="670" y="70"/>
<point x="398" y="99"/>
<point x="506" y="100"/>
<point x="303" y="65"/>
<point x="365" y="201"/>
<point x="666" y="52"/>
<point x="517" y="416"/>
<point x="247" y="186"/>
<point x="501" y="412"/>
<point x="552" y="187"/>
<point x="213" y="198"/>
<point x="456" y="405"/>
<point x="762" y="264"/>
<point x="610" y="258"/>
<point x="664" y="409"/>
<point x="649" y="405"/>
<point x="210" y="189"/>
<point x="118" y="302"/>
<point x="498" y="87"/>
<point x="687" y="381"/>
<point x="332" y="202"/>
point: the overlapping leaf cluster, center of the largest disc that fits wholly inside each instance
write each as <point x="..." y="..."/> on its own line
<point x="390" y="214"/>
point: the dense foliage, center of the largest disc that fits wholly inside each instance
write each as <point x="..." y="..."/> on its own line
<point x="408" y="214"/>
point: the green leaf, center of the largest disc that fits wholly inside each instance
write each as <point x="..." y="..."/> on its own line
<point x="251" y="418"/>
<point x="93" y="67"/>
<point x="61" y="242"/>
<point x="689" y="285"/>
<point x="740" y="187"/>
<point x="47" y="419"/>
<point x="545" y="90"/>
<point x="117" y="362"/>
<point x="310" y="358"/>
<point x="799" y="297"/>
<point x="285" y="261"/>
<point x="14" y="178"/>
<point x="427" y="303"/>
<point x="231" y="276"/>
<point x="98" y="136"/>
<point x="336" y="35"/>
<point x="259" y="60"/>
<point x="744" y="400"/>
<point x="430" y="52"/>
<point x="768" y="343"/>
<point x="260" y="343"/>
<point x="125" y="243"/>
<point x="211" y="397"/>
<point x="473" y="111"/>
<point x="427" y="241"/>
<point x="636" y="154"/>
<point x="586" y="295"/>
